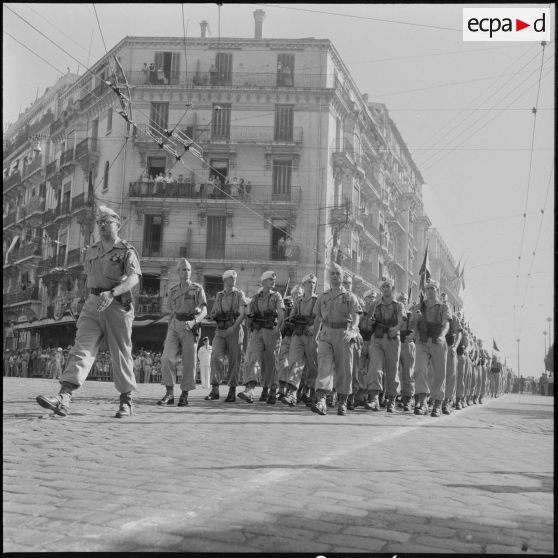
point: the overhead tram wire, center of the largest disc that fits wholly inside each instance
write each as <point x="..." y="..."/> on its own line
<point x="100" y="30"/>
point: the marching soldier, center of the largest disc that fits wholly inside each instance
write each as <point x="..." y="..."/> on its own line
<point x="476" y="373"/>
<point x="286" y="335"/>
<point x="265" y="317"/>
<point x="484" y="359"/>
<point x="407" y="358"/>
<point x="228" y="312"/>
<point x="337" y="310"/>
<point x="303" y="352"/>
<point x="431" y="321"/>
<point x="453" y="339"/>
<point x="188" y="306"/>
<point x="112" y="268"/>
<point x="386" y="320"/>
<point x="462" y="365"/>
<point x="365" y="330"/>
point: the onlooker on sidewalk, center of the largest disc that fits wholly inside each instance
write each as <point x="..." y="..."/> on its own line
<point x="204" y="356"/>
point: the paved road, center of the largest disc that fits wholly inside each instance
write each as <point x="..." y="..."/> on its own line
<point x="216" y="477"/>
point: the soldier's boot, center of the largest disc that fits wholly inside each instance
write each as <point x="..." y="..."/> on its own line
<point x="458" y="404"/>
<point x="213" y="394"/>
<point x="248" y="393"/>
<point x="60" y="403"/>
<point x="382" y="399"/>
<point x="373" y="403"/>
<point x="399" y="401"/>
<point x="125" y="409"/>
<point x="264" y="394"/>
<point x="436" y="408"/>
<point x="320" y="407"/>
<point x="406" y="403"/>
<point x="342" y="404"/>
<point x="183" y="399"/>
<point x="272" y="397"/>
<point x="299" y="393"/>
<point x="446" y="407"/>
<point x="306" y="395"/>
<point x="282" y="390"/>
<point x="329" y="399"/>
<point x="168" y="398"/>
<point x="311" y="398"/>
<point x="422" y="404"/>
<point x="290" y="396"/>
<point x="231" y="396"/>
<point x="430" y="403"/>
<point x="475" y="399"/>
<point x="351" y="402"/>
<point x="480" y="399"/>
<point x="361" y="398"/>
<point x="390" y="404"/>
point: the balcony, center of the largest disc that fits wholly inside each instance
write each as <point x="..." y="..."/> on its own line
<point x="24" y="252"/>
<point x="57" y="127"/>
<point x="34" y="210"/>
<point x="67" y="158"/>
<point x="235" y="79"/>
<point x="344" y="156"/>
<point x="63" y="209"/>
<point x="48" y="217"/>
<point x="21" y="295"/>
<point x="74" y="257"/>
<point x="87" y="152"/>
<point x="9" y="219"/>
<point x="10" y="182"/>
<point x="51" y="169"/>
<point x="248" y="134"/>
<point x="33" y="167"/>
<point x="82" y="201"/>
<point x="200" y="251"/>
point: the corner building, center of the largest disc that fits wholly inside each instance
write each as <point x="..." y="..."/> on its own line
<point x="329" y="172"/>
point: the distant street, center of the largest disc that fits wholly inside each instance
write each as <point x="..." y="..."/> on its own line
<point x="216" y="477"/>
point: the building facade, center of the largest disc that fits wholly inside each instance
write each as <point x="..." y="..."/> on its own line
<point x="297" y="170"/>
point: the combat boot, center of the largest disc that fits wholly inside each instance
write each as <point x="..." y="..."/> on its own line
<point x="305" y="396"/>
<point x="406" y="403"/>
<point x="231" y="396"/>
<point x="351" y="402"/>
<point x="168" y="398"/>
<point x="373" y="404"/>
<point x="320" y="407"/>
<point x="390" y="405"/>
<point x="436" y="409"/>
<point x="264" y="394"/>
<point x="125" y="409"/>
<point x="183" y="399"/>
<point x="475" y="399"/>
<point x="60" y="403"/>
<point x="446" y="407"/>
<point x="421" y="407"/>
<point x="283" y="387"/>
<point x="382" y="400"/>
<point x="458" y="404"/>
<point x="272" y="397"/>
<point x="342" y="407"/>
<point x="290" y="396"/>
<point x="311" y="398"/>
<point x="213" y="394"/>
<point x="480" y="399"/>
<point x="248" y="393"/>
<point x="299" y="393"/>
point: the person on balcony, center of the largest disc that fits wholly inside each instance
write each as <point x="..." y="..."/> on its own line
<point x="113" y="270"/>
<point x="145" y="72"/>
<point x="152" y="73"/>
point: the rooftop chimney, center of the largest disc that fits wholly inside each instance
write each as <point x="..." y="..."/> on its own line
<point x="203" y="25"/>
<point x="259" y="16"/>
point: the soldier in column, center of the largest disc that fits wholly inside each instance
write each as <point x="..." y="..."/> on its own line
<point x="303" y="353"/>
<point x="462" y="364"/>
<point x="365" y="331"/>
<point x="286" y="334"/>
<point x="228" y="312"/>
<point x="357" y="349"/>
<point x="188" y="306"/>
<point x="266" y="313"/>
<point x="475" y="372"/>
<point x="484" y="359"/>
<point x="407" y="358"/>
<point x="112" y="268"/>
<point x="337" y="313"/>
<point x="431" y="322"/>
<point x="385" y="346"/>
<point x="453" y="339"/>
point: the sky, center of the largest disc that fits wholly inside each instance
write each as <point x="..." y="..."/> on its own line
<point x="464" y="109"/>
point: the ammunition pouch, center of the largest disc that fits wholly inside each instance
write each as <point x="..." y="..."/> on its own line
<point x="225" y="320"/>
<point x="288" y="329"/>
<point x="266" y="321"/>
<point x="301" y="325"/>
<point x="404" y="333"/>
<point x="366" y="334"/>
<point x="450" y="339"/>
<point x="481" y="362"/>
<point x="428" y="329"/>
<point x="380" y="331"/>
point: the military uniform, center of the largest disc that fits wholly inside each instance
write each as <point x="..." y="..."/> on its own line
<point x="484" y="359"/>
<point x="226" y="311"/>
<point x="463" y="378"/>
<point x="407" y="362"/>
<point x="335" y="355"/>
<point x="451" y="364"/>
<point x="184" y="303"/>
<point x="283" y="364"/>
<point x="428" y="326"/>
<point x="475" y="373"/>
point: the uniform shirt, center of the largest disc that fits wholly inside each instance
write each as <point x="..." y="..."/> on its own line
<point x="388" y="311"/>
<point x="305" y="306"/>
<point x="272" y="301"/>
<point x="337" y="305"/>
<point x="105" y="270"/>
<point x="183" y="300"/>
<point x="231" y="301"/>
<point x="432" y="314"/>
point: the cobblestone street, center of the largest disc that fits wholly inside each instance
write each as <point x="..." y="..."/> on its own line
<point x="216" y="477"/>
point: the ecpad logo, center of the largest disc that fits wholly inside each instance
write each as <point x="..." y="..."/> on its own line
<point x="506" y="24"/>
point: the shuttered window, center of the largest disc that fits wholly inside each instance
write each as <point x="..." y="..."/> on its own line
<point x="221" y="121"/>
<point x="169" y="62"/>
<point x="216" y="233"/>
<point x="159" y="116"/>
<point x="285" y="70"/>
<point x="223" y="64"/>
<point x="281" y="187"/>
<point x="283" y="123"/>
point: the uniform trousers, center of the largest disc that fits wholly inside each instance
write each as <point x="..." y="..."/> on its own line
<point x="228" y="345"/>
<point x="356" y="377"/>
<point x="384" y="363"/>
<point x="460" y="386"/>
<point x="115" y="324"/>
<point x="179" y="340"/>
<point x="483" y="380"/>
<point x="303" y="355"/>
<point x="451" y="372"/>
<point x="407" y="368"/>
<point x="335" y="361"/>
<point x="263" y="350"/>
<point x="205" y="373"/>
<point x="494" y="383"/>
<point x="431" y="354"/>
<point x="475" y="380"/>
<point x="283" y="359"/>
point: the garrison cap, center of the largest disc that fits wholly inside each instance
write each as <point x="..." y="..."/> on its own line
<point x="104" y="211"/>
<point x="386" y="281"/>
<point x="268" y="275"/>
<point x="335" y="267"/>
<point x="308" y="277"/>
<point x="229" y="273"/>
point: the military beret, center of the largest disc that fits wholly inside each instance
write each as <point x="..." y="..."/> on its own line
<point x="229" y="273"/>
<point x="309" y="277"/>
<point x="268" y="275"/>
<point x="104" y="211"/>
<point x="335" y="267"/>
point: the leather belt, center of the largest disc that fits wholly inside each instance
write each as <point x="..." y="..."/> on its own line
<point x="97" y="291"/>
<point x="336" y="325"/>
<point x="183" y="317"/>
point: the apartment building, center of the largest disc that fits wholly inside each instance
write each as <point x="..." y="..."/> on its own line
<point x="296" y="169"/>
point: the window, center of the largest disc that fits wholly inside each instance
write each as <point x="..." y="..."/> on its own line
<point x="152" y="235"/>
<point x="169" y="63"/>
<point x="159" y="116"/>
<point x="283" y="123"/>
<point x="106" y="176"/>
<point x="280" y="232"/>
<point x="285" y="70"/>
<point x="212" y="284"/>
<point x="221" y="122"/>
<point x="109" y="120"/>
<point x="281" y="187"/>
<point x="219" y="169"/>
<point x="222" y="74"/>
<point x="216" y="234"/>
<point x="156" y="165"/>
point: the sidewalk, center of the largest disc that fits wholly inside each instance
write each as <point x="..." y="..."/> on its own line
<point x="216" y="477"/>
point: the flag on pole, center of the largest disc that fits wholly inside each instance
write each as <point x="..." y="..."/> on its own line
<point x="424" y="271"/>
<point x="494" y="346"/>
